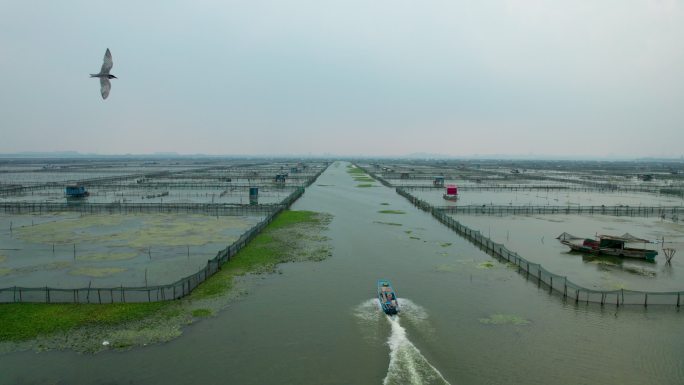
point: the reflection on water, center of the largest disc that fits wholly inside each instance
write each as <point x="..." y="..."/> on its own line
<point x="407" y="364"/>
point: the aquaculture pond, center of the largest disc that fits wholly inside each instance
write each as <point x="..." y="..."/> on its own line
<point x="534" y="238"/>
<point x="69" y="250"/>
<point x="465" y="318"/>
<point x="546" y="197"/>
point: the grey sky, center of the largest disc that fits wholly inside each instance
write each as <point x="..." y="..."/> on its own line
<point x="573" y="77"/>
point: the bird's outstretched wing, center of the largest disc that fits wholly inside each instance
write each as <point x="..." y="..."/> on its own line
<point x="107" y="63"/>
<point x="105" y="86"/>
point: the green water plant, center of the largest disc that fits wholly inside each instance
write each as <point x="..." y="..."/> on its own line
<point x="392" y="212"/>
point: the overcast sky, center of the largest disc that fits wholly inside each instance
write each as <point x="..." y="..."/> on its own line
<point x="545" y="78"/>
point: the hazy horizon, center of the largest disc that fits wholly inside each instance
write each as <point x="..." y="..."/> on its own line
<point x="573" y="79"/>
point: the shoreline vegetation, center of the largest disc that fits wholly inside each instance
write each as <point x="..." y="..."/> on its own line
<point x="292" y="236"/>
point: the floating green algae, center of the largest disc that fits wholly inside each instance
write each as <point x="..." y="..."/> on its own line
<point x="446" y="244"/>
<point x="138" y="231"/>
<point x="198" y="313"/>
<point x="384" y="204"/>
<point x="4" y="271"/>
<point x="412" y="237"/>
<point x="96" y="272"/>
<point x="392" y="212"/>
<point x="485" y="265"/>
<point x="364" y="179"/>
<point x="2" y="258"/>
<point x="107" y="256"/>
<point x="388" y="223"/>
<point x="503" y="319"/>
<point x="66" y="230"/>
<point x="42" y="267"/>
<point x="351" y="169"/>
<point x="364" y="185"/>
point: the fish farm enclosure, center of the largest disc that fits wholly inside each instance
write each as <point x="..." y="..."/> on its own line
<point x="517" y="210"/>
<point x="153" y="230"/>
<point x="127" y="230"/>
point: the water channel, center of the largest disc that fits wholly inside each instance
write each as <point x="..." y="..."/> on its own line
<point x="464" y="320"/>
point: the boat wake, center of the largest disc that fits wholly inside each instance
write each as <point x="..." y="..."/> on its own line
<point x="407" y="364"/>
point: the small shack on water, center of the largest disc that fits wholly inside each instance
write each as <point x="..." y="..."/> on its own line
<point x="280" y="178"/>
<point x="76" y="191"/>
<point x="438" y="182"/>
<point x="451" y="192"/>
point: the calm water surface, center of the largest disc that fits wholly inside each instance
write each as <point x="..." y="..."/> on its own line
<point x="462" y="322"/>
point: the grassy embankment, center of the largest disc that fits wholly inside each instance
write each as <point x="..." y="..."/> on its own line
<point x="25" y="321"/>
<point x="360" y="176"/>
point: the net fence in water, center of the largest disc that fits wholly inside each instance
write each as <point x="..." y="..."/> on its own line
<point x="175" y="290"/>
<point x="556" y="284"/>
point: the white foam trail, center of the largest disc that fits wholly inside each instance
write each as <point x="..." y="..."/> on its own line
<point x="407" y="365"/>
<point x="412" y="312"/>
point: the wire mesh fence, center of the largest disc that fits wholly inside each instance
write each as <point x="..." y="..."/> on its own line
<point x="175" y="290"/>
<point x="618" y="211"/>
<point x="131" y="208"/>
<point x="556" y="284"/>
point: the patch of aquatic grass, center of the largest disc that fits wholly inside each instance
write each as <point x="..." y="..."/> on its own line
<point x="22" y="321"/>
<point x="485" y="265"/>
<point x="408" y="231"/>
<point x="288" y="218"/>
<point x="446" y="244"/>
<point x="2" y="258"/>
<point x="199" y="313"/>
<point x="412" y="237"/>
<point x="384" y="204"/>
<point x="90" y="271"/>
<point x="388" y="223"/>
<point x="355" y="170"/>
<point x="4" y="271"/>
<point x="107" y="256"/>
<point x="503" y="319"/>
<point x="392" y="212"/>
<point x="265" y="251"/>
<point x="364" y="185"/>
<point x="364" y="179"/>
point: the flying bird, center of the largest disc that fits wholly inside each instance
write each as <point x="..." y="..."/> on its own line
<point x="104" y="75"/>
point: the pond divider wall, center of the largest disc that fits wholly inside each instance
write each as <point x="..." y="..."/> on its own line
<point x="176" y="290"/>
<point x="554" y="283"/>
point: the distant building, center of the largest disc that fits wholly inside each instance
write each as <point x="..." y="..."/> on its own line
<point x="280" y="178"/>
